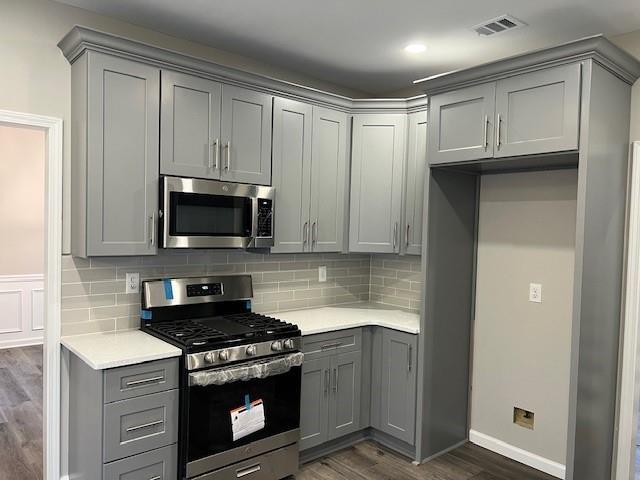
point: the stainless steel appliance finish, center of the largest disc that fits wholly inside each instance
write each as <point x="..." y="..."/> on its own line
<point x="232" y="287"/>
<point x="253" y="351"/>
<point x="255" y="238"/>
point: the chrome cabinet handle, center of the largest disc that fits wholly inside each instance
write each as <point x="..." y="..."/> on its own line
<point x="335" y="380"/>
<point x="135" y="383"/>
<point x="330" y="345"/>
<point x="247" y="471"/>
<point x="152" y="227"/>
<point x="326" y="382"/>
<point x="409" y="358"/>
<point x="395" y="235"/>
<point x="216" y="147"/>
<point x="228" y="148"/>
<point x="314" y="232"/>
<point x="157" y="477"/>
<point x="486" y="133"/>
<point x="407" y="238"/>
<point x="146" y="425"/>
<point x="498" y="122"/>
<point x="305" y="233"/>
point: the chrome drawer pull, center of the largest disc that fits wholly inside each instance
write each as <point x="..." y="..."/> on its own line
<point x="157" y="477"/>
<point x="134" y="383"/>
<point x="331" y="345"/>
<point x="146" y="425"/>
<point x="248" y="471"/>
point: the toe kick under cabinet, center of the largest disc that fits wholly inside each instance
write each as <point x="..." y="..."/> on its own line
<point x="123" y="422"/>
<point x="355" y="379"/>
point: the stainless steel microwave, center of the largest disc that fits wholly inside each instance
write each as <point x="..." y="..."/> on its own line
<point x="211" y="214"/>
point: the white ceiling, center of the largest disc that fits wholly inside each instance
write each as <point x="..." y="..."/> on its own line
<point x="359" y="43"/>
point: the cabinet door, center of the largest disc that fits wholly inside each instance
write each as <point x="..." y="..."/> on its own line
<point x="460" y="124"/>
<point x="538" y="112"/>
<point x="122" y="137"/>
<point x="398" y="385"/>
<point x="344" y="407"/>
<point x="414" y="183"/>
<point x="314" y="402"/>
<point x="246" y="136"/>
<point x="328" y="180"/>
<point x="376" y="183"/>
<point x="190" y="126"/>
<point x="291" y="175"/>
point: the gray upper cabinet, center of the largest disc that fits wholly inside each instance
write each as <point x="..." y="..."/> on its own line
<point x="376" y="182"/>
<point x="190" y="126"/>
<point x="246" y="136"/>
<point x="461" y="124"/>
<point x="414" y="183"/>
<point x="538" y="112"/>
<point x="292" y="174"/>
<point x="309" y="174"/>
<point x="344" y="409"/>
<point x="116" y="108"/>
<point x="328" y="179"/>
<point x="398" y="385"/>
<point x="314" y="402"/>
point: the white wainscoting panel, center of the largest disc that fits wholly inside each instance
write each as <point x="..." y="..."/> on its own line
<point x="21" y="310"/>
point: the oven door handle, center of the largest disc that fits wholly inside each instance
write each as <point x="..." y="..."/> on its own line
<point x="246" y="371"/>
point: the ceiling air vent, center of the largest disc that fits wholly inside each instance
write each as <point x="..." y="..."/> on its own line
<point x="499" y="24"/>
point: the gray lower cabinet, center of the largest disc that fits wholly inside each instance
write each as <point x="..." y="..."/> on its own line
<point x="538" y="112"/>
<point x="461" y="124"/>
<point x="397" y="389"/>
<point x="190" y="126"/>
<point x="114" y="181"/>
<point x="246" y="136"/>
<point x="331" y="387"/>
<point x="309" y="174"/>
<point x="123" y="422"/>
<point x="377" y="172"/>
<point x="414" y="183"/>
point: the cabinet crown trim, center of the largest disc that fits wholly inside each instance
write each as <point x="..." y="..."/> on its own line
<point x="80" y="39"/>
<point x="596" y="48"/>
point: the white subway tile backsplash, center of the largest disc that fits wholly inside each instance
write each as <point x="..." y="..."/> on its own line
<point x="94" y="297"/>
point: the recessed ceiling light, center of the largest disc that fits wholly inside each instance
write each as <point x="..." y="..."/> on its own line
<point x="415" y="48"/>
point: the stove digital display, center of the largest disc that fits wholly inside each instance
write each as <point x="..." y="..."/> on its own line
<point x="204" y="289"/>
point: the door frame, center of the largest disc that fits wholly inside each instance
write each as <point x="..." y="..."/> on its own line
<point x="52" y="282"/>
<point x="629" y="374"/>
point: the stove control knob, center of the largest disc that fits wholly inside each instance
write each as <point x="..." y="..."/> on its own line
<point x="209" y="357"/>
<point x="288" y="344"/>
<point x="223" y="355"/>
<point x="251" y="350"/>
<point x="276" y="346"/>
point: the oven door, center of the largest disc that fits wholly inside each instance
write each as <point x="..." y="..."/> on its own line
<point x="222" y="430"/>
<point x="209" y="214"/>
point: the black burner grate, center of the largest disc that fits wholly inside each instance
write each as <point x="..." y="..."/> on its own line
<point x="188" y="332"/>
<point x="260" y="324"/>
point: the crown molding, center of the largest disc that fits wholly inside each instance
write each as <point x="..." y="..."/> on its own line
<point x="596" y="48"/>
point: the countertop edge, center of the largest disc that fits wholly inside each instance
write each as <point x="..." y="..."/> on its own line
<point x="346" y="326"/>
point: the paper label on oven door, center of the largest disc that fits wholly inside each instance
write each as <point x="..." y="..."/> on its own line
<point x="245" y="421"/>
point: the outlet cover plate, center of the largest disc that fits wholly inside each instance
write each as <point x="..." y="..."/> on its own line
<point x="322" y="273"/>
<point x="535" y="292"/>
<point x="133" y="282"/>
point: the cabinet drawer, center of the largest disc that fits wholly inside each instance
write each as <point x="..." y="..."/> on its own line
<point x="160" y="464"/>
<point x="140" y="424"/>
<point x="137" y="380"/>
<point x="277" y="464"/>
<point x="332" y="343"/>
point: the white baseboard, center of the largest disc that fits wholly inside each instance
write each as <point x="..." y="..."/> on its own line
<point x="531" y="459"/>
<point x="21" y="343"/>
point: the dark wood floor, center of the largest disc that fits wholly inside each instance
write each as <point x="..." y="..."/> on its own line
<point x="369" y="461"/>
<point x="21" y="413"/>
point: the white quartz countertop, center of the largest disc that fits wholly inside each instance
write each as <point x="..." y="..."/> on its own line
<point x="328" y="319"/>
<point x="117" y="349"/>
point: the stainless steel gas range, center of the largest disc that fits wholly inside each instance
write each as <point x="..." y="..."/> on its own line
<point x="240" y="380"/>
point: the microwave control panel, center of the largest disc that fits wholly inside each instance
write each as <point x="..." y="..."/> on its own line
<point x="265" y="210"/>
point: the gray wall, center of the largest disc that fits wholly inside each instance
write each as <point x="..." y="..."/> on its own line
<point x="521" y="350"/>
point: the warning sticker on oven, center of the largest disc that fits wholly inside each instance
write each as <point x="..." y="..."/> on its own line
<point x="247" y="419"/>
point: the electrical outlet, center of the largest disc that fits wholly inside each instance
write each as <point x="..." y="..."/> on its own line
<point x="133" y="282"/>
<point x="322" y="273"/>
<point x="535" y="292"/>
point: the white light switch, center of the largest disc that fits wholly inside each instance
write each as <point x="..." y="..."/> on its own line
<point x="535" y="292"/>
<point x="133" y="282"/>
<point x="322" y="273"/>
